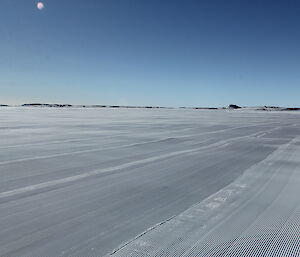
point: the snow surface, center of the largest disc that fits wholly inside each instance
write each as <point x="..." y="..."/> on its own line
<point x="144" y="182"/>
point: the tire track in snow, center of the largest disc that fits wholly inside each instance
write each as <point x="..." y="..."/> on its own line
<point x="118" y="147"/>
<point x="57" y="182"/>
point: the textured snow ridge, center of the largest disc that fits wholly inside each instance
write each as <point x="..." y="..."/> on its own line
<point x="257" y="215"/>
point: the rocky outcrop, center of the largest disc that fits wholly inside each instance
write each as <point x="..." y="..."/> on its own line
<point x="233" y="106"/>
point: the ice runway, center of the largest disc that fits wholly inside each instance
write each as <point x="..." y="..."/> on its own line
<point x="87" y="182"/>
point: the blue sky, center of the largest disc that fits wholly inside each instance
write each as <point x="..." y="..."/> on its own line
<point x="151" y="52"/>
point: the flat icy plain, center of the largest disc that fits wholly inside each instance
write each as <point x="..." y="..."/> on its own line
<point x="149" y="182"/>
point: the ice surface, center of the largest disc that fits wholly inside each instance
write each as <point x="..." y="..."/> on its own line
<point x="86" y="182"/>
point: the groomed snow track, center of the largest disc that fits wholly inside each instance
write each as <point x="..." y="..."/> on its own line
<point x="256" y="215"/>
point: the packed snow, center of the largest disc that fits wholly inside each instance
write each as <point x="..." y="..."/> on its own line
<point x="149" y="182"/>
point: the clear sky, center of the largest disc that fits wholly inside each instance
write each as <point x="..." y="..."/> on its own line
<point x="150" y="52"/>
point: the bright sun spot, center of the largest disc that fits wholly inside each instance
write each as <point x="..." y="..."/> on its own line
<point x="40" y="5"/>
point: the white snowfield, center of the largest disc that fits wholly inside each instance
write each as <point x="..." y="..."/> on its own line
<point x="149" y="182"/>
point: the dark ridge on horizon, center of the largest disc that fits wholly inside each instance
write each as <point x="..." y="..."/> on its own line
<point x="230" y="107"/>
